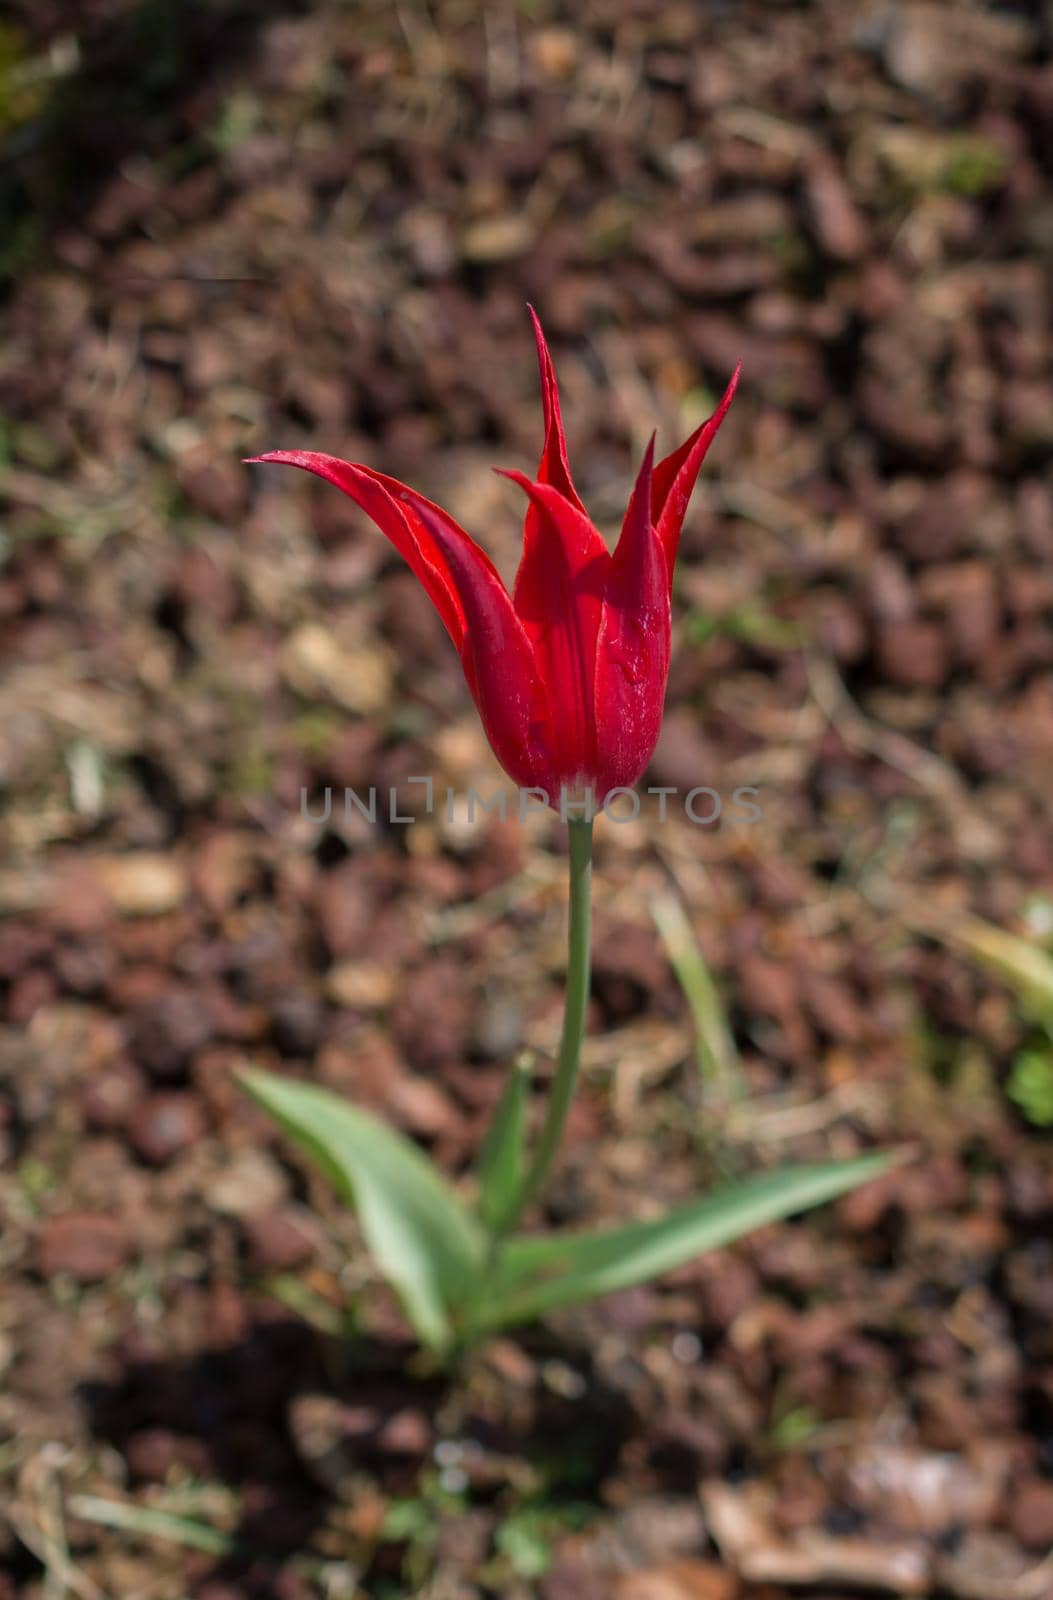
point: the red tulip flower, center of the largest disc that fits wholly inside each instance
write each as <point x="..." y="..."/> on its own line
<point x="569" y="671"/>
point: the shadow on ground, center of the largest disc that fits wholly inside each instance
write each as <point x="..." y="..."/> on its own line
<point x="291" y="1421"/>
<point x="128" y="94"/>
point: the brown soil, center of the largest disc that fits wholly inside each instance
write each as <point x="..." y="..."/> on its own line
<point x="236" y="227"/>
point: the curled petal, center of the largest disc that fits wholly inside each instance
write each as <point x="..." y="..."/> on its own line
<point x="632" y="652"/>
<point x="398" y="513"/>
<point x="675" y="475"/>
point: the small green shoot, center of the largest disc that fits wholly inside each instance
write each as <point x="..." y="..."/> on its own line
<point x="792" y="1430"/>
<point x="719" y="1066"/>
<point x="1030" y="1085"/>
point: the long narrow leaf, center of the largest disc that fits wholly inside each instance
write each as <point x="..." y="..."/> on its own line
<point x="501" y="1161"/>
<point x="538" y="1274"/>
<point x="718" y="1061"/>
<point x="426" y="1243"/>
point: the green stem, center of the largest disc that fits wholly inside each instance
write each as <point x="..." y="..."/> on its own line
<point x="575" y="1007"/>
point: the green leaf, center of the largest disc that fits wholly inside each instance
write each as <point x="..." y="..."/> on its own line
<point x="536" y="1275"/>
<point x="524" y="1541"/>
<point x="425" y="1241"/>
<point x="501" y="1160"/>
<point x="1030" y="1085"/>
<point x="718" y="1062"/>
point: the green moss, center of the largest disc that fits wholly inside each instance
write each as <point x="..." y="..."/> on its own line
<point x="973" y="166"/>
<point x="1030" y="1084"/>
<point x="21" y="79"/>
<point x="36" y="1178"/>
<point x="794" y="1428"/>
<point x="239" y="117"/>
<point x="251" y="772"/>
<point x="314" y="730"/>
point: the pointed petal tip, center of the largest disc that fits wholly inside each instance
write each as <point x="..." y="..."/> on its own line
<point x="548" y="496"/>
<point x="729" y="392"/>
<point x="539" y="332"/>
<point x="637" y="520"/>
<point x="553" y="467"/>
<point x="674" y="476"/>
<point x="544" y="360"/>
<point x="544" y="496"/>
<point x="709" y="429"/>
<point x="716" y="417"/>
<point x="292" y="458"/>
<point x="646" y="468"/>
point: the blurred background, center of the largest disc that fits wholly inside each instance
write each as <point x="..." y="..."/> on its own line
<point x="234" y="226"/>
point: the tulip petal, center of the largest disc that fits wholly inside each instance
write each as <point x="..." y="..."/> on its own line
<point x="632" y="652"/>
<point x="397" y="512"/>
<point x="553" y="467"/>
<point x="558" y="595"/>
<point x="675" y="475"/>
<point x="496" y="654"/>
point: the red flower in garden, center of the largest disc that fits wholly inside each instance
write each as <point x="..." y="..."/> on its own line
<point x="569" y="671"/>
